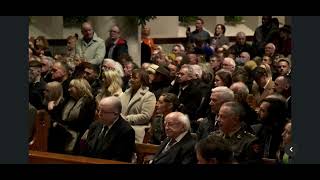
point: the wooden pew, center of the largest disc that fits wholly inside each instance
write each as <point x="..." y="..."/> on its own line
<point x="145" y="152"/>
<point x="38" y="157"/>
<point x="40" y="136"/>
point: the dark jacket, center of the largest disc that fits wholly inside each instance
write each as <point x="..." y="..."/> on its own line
<point x="118" y="143"/>
<point x="120" y="48"/>
<point x="181" y="153"/>
<point x="36" y="95"/>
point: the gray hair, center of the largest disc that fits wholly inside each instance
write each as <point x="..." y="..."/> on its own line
<point x="240" y="34"/>
<point x="183" y="118"/>
<point x="190" y="70"/>
<point x="197" y="71"/>
<point x="236" y="109"/>
<point x="225" y="93"/>
<point x="118" y="67"/>
<point x="240" y="90"/>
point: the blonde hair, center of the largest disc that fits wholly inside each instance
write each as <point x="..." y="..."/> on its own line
<point x="83" y="87"/>
<point x="113" y="81"/>
<point x="267" y="68"/>
<point x="55" y="92"/>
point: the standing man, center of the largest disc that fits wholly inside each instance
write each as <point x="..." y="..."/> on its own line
<point x="115" y="46"/>
<point x="90" y="47"/>
<point x="199" y="33"/>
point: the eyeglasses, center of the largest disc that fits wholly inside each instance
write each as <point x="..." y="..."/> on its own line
<point x="105" y="112"/>
<point x="114" y="31"/>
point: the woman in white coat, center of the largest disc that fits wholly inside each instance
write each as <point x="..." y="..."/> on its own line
<point x="138" y="103"/>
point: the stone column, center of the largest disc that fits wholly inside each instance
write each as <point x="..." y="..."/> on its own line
<point x="164" y="26"/>
<point x="252" y="21"/>
<point x="288" y="20"/>
<point x="49" y="26"/>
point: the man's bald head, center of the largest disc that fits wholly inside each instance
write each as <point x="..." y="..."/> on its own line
<point x="87" y="31"/>
<point x="113" y="102"/>
<point x="241" y="38"/>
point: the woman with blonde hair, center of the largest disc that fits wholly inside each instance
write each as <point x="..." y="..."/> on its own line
<point x="268" y="69"/>
<point x="112" y="85"/>
<point x="54" y="102"/>
<point x="53" y="95"/>
<point x="78" y="113"/>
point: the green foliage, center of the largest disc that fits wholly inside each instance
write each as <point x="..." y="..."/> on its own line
<point x="74" y="20"/>
<point x="142" y="20"/>
<point x="233" y="19"/>
<point x="187" y="20"/>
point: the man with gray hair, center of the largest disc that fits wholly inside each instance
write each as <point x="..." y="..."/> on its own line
<point x="243" y="144"/>
<point x="178" y="147"/>
<point x="229" y="64"/>
<point x="241" y="45"/>
<point x="47" y="63"/>
<point x="188" y="93"/>
<point x="209" y="124"/>
<point x="90" y="47"/>
<point x="110" y="64"/>
<point x="241" y="92"/>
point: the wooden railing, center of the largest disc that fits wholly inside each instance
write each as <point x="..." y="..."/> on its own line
<point x="39" y="141"/>
<point x="145" y="152"/>
<point x="38" y="157"/>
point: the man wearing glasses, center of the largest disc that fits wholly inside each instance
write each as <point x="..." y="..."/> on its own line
<point x="110" y="137"/>
<point x="115" y="46"/>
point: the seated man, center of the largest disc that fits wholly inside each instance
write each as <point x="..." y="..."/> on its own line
<point x="178" y="147"/>
<point x="110" y="137"/>
<point x="243" y="144"/>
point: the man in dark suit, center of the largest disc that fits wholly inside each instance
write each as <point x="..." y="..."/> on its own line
<point x="178" y="147"/>
<point x="110" y="137"/>
<point x="188" y="93"/>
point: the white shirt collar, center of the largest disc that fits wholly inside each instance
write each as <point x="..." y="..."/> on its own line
<point x="180" y="136"/>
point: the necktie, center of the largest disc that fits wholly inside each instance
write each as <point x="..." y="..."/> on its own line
<point x="100" y="139"/>
<point x="170" y="144"/>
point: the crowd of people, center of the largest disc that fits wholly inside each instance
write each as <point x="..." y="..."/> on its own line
<point x="208" y="101"/>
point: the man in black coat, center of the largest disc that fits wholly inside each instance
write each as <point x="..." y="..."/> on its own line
<point x="178" y="147"/>
<point x="110" y="137"/>
<point x="36" y="85"/>
<point x="188" y="93"/>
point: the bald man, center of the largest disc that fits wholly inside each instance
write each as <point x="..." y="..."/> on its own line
<point x="90" y="46"/>
<point x="178" y="147"/>
<point x="110" y="137"/>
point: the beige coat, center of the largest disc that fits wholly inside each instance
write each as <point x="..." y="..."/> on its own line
<point x="267" y="91"/>
<point x="138" y="111"/>
<point x="93" y="52"/>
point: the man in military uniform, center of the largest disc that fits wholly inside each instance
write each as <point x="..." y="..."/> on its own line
<point x="242" y="143"/>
